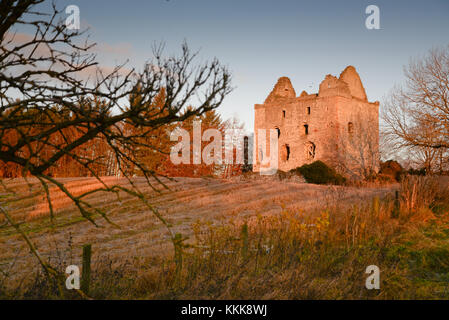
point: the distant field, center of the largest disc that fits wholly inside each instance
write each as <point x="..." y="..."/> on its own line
<point x="141" y="234"/>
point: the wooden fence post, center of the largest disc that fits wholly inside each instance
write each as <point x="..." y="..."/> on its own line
<point x="244" y="236"/>
<point x="395" y="213"/>
<point x="85" y="277"/>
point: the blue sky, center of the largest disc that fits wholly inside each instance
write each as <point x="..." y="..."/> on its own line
<point x="263" y="40"/>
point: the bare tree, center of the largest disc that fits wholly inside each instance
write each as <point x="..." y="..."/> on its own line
<point x="358" y="155"/>
<point x="424" y="157"/>
<point x="49" y="108"/>
<point x="416" y="116"/>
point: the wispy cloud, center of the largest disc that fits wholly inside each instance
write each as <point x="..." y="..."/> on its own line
<point x="123" y="49"/>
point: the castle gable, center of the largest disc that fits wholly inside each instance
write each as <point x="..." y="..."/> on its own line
<point x="352" y="78"/>
<point x="282" y="90"/>
<point x="332" y="86"/>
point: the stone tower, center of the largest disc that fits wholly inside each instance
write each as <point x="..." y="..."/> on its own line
<point x="337" y="125"/>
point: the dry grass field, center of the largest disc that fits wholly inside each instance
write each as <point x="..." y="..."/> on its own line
<point x="344" y="228"/>
<point x="141" y="234"/>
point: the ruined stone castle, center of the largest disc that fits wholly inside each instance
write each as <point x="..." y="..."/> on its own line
<point x="337" y="125"/>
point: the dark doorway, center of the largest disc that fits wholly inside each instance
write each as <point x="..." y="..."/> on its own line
<point x="285" y="152"/>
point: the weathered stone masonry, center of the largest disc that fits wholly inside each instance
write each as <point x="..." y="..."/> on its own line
<point x="338" y="125"/>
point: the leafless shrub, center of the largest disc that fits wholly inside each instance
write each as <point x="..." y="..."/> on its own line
<point x="417" y="192"/>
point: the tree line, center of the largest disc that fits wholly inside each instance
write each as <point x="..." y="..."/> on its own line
<point x="100" y="155"/>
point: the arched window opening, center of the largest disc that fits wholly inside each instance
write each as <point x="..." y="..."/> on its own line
<point x="283" y="113"/>
<point x="350" y="127"/>
<point x="310" y="150"/>
<point x="308" y="110"/>
<point x="306" y="129"/>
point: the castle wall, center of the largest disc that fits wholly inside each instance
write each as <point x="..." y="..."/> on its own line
<point x="333" y="125"/>
<point x="359" y="146"/>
